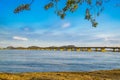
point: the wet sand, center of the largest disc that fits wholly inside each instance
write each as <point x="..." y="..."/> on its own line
<point x="94" y="75"/>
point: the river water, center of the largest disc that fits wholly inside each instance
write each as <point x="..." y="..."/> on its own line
<point x="47" y="61"/>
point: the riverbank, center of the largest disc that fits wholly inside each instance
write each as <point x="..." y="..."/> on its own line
<point x="95" y="75"/>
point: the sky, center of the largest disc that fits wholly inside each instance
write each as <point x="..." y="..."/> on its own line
<point x="39" y="27"/>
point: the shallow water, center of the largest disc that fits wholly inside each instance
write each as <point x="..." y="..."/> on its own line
<point x="44" y="61"/>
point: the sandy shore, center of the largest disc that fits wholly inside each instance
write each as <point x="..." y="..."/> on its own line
<point x="95" y="75"/>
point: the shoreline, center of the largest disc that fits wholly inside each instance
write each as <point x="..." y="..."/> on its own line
<point x="92" y="75"/>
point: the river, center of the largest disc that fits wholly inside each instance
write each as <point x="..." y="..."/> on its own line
<point x="52" y="61"/>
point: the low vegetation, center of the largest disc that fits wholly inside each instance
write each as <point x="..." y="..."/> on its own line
<point x="96" y="75"/>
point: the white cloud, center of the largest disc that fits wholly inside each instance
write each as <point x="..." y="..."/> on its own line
<point x="105" y="36"/>
<point x="66" y="25"/>
<point x="20" y="38"/>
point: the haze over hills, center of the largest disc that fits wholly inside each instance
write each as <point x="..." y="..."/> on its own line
<point x="37" y="47"/>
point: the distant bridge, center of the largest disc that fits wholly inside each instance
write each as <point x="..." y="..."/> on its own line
<point x="88" y="49"/>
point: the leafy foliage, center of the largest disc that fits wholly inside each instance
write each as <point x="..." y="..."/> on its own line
<point x="22" y="7"/>
<point x="93" y="8"/>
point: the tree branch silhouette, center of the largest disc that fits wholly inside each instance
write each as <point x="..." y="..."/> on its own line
<point x="93" y="8"/>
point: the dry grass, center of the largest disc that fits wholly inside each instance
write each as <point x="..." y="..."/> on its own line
<point x="96" y="75"/>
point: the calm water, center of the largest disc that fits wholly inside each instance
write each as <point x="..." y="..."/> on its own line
<point x="42" y="61"/>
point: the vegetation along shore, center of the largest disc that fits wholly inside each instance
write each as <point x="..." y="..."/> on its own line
<point x="94" y="75"/>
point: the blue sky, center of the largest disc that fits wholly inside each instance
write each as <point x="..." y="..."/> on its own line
<point x="39" y="27"/>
